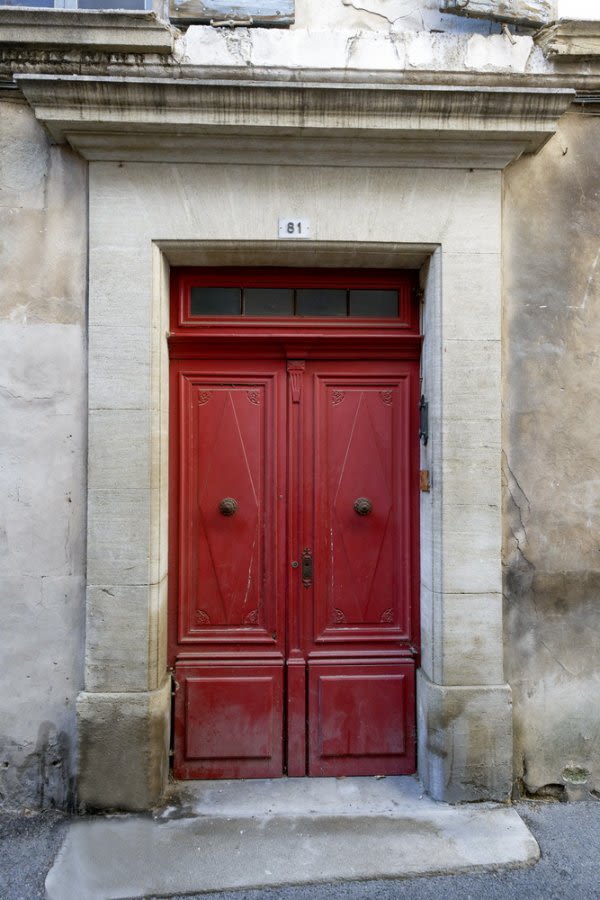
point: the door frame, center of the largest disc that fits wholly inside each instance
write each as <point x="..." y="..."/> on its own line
<point x="460" y="686"/>
<point x="290" y="339"/>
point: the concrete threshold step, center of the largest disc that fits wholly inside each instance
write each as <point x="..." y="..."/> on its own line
<point x="253" y="834"/>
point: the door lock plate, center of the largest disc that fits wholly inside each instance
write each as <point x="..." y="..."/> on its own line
<point x="307" y="567"/>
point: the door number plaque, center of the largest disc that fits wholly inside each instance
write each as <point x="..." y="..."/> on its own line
<point x="294" y="228"/>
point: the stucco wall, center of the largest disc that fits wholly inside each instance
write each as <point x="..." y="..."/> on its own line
<point x="552" y="459"/>
<point x="42" y="459"/>
<point x="385" y="15"/>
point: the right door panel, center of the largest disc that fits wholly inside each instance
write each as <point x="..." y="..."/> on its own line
<point x="360" y="446"/>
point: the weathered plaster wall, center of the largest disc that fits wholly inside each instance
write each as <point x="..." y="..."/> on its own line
<point x="42" y="453"/>
<point x="356" y="49"/>
<point x="552" y="459"/>
<point x="384" y="15"/>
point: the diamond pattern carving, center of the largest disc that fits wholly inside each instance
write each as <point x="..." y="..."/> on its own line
<point x="364" y="470"/>
<point x="229" y="554"/>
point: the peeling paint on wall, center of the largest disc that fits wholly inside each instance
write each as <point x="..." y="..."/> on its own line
<point x="385" y="15"/>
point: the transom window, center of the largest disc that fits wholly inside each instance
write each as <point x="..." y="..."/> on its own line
<point x="221" y="298"/>
<point x="280" y="301"/>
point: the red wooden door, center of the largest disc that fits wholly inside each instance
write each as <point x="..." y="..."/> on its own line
<point x="295" y="630"/>
<point x="294" y="526"/>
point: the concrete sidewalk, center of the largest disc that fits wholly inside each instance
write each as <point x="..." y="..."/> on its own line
<point x="261" y="834"/>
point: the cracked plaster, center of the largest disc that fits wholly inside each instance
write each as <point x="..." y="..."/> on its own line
<point x="551" y="477"/>
<point x="386" y="15"/>
<point x="359" y="50"/>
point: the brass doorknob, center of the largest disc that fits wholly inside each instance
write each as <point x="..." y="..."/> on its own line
<point x="228" y="506"/>
<point x="363" y="506"/>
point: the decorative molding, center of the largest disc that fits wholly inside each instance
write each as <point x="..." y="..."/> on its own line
<point x="570" y="40"/>
<point x="251" y="618"/>
<point x="166" y="119"/>
<point x="90" y="30"/>
<point x="296" y="368"/>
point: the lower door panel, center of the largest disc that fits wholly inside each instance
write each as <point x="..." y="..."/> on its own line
<point x="229" y="720"/>
<point x="361" y="718"/>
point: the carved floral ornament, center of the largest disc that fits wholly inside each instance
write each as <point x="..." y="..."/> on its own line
<point x="386" y="618"/>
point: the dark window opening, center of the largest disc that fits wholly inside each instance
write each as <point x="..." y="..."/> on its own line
<point x="302" y="302"/>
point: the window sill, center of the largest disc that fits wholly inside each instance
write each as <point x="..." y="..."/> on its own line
<point x="110" y="32"/>
<point x="570" y="39"/>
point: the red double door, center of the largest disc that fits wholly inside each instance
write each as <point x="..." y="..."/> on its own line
<point x="294" y="631"/>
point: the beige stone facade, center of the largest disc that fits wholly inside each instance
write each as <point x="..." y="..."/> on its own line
<point x="468" y="155"/>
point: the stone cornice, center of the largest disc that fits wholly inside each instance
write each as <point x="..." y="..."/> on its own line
<point x="570" y="40"/>
<point x="37" y="30"/>
<point x="291" y="122"/>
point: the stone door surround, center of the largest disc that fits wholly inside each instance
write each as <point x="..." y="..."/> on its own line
<point x="418" y="185"/>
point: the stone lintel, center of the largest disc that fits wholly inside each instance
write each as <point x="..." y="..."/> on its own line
<point x="123" y="748"/>
<point x="91" y="30"/>
<point x="177" y="120"/>
<point x="570" y="40"/>
<point x="465" y="741"/>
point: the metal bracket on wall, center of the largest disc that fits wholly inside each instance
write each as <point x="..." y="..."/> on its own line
<point x="232" y="23"/>
<point x="424" y="420"/>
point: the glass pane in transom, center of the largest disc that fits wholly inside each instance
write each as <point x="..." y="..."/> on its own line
<point x="268" y="302"/>
<point x="374" y="303"/>
<point x="321" y="302"/>
<point x="216" y="301"/>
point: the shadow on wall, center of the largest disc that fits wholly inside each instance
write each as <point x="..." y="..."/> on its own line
<point x="41" y="779"/>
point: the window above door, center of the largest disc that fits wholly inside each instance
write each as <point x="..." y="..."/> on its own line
<point x="283" y="311"/>
<point x="305" y="302"/>
<point x="238" y="294"/>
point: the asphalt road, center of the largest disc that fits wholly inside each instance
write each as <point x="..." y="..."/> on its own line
<point x="568" y="834"/>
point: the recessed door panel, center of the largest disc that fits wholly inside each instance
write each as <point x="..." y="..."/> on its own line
<point x="364" y="482"/>
<point x="229" y="720"/>
<point x="362" y="718"/>
<point x="228" y="509"/>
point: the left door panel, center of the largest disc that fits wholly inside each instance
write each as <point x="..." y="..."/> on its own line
<point x="228" y="641"/>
